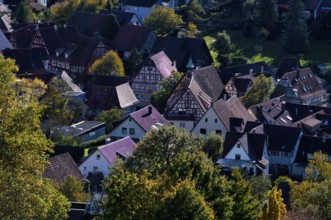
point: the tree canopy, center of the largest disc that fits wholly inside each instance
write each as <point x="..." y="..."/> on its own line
<point x="24" y="193"/>
<point x="262" y="88"/>
<point x="110" y="64"/>
<point x="295" y="36"/>
<point x="163" y="20"/>
<point x="24" y="13"/>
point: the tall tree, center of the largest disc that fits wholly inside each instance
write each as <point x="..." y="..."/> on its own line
<point x="184" y="202"/>
<point x="275" y="209"/>
<point x="24" y="13"/>
<point x="251" y="17"/>
<point x="213" y="146"/>
<point x="24" y="193"/>
<point x="224" y="47"/>
<point x="245" y="205"/>
<point x="295" y="36"/>
<point x="163" y="20"/>
<point x="262" y="88"/>
<point x="319" y="168"/>
<point x="73" y="189"/>
<point x="110" y="64"/>
<point x="134" y="61"/>
<point x="109" y="27"/>
<point x="268" y="17"/>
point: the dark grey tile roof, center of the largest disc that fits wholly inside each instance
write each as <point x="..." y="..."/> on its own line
<point x="288" y="64"/>
<point x="61" y="167"/>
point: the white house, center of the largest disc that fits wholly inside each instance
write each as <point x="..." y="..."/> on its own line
<point x="138" y="123"/>
<point x="222" y="117"/>
<point x="139" y="7"/>
<point x="105" y="156"/>
<point x="247" y="152"/>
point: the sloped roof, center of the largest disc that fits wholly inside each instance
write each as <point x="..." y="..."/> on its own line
<point x="147" y="117"/>
<point x="130" y="37"/>
<point x="232" y="108"/>
<point x="4" y="43"/>
<point x="204" y="84"/>
<point x="241" y="70"/>
<point x="253" y="144"/>
<point x="28" y="60"/>
<point x="122" y="17"/>
<point x="125" y="95"/>
<point x="67" y="79"/>
<point x="305" y="82"/>
<point x="163" y="64"/>
<point x="242" y="83"/>
<point x="181" y="50"/>
<point x="125" y="147"/>
<point x="61" y="167"/>
<point x="106" y="92"/>
<point x="87" y="23"/>
<point x="140" y="3"/>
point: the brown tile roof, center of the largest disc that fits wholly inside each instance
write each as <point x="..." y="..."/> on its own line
<point x="232" y="108"/>
<point x="305" y="82"/>
<point x="61" y="167"/>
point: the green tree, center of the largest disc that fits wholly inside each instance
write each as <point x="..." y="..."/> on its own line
<point x="163" y="20"/>
<point x="109" y="64"/>
<point x="319" y="168"/>
<point x="159" y="98"/>
<point x="109" y="27"/>
<point x="73" y="189"/>
<point x="134" y="61"/>
<point x="24" y="193"/>
<point x="24" y="13"/>
<point x="251" y="17"/>
<point x="62" y="10"/>
<point x="109" y="117"/>
<point x="159" y="147"/>
<point x="245" y="205"/>
<point x="184" y="202"/>
<point x="130" y="196"/>
<point x="275" y="209"/>
<point x="262" y="88"/>
<point x="213" y="146"/>
<point x="193" y="12"/>
<point x="261" y="185"/>
<point x="295" y="36"/>
<point x="224" y="47"/>
<point x="268" y="17"/>
<point x="191" y="30"/>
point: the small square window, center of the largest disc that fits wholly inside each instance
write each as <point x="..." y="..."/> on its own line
<point x="182" y="125"/>
<point x="203" y="131"/>
<point x="98" y="156"/>
<point x="219" y="132"/>
<point x="215" y="120"/>
<point x="132" y="131"/>
<point x="237" y="157"/>
<point x="238" y="145"/>
<point x="124" y="130"/>
<point x="206" y="119"/>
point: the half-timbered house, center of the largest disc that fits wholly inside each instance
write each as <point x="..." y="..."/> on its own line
<point x="194" y="95"/>
<point x="68" y="50"/>
<point x="147" y="81"/>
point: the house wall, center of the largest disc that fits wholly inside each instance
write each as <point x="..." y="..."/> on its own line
<point x="93" y="134"/>
<point x="183" y="124"/>
<point x="211" y="122"/>
<point x="146" y="82"/>
<point x="135" y="21"/>
<point x="92" y="162"/>
<point x="147" y="47"/>
<point x="235" y="150"/>
<point x="141" y="12"/>
<point x="128" y="123"/>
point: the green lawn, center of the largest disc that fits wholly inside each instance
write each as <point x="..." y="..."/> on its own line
<point x="255" y="49"/>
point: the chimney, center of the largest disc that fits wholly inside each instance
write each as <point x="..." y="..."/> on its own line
<point x="149" y="110"/>
<point x="174" y="63"/>
<point x="107" y="140"/>
<point x="262" y="69"/>
<point x="296" y="111"/>
<point x="224" y="97"/>
<point x="65" y="26"/>
<point x="55" y="27"/>
<point x="298" y="72"/>
<point x="250" y="71"/>
<point x="283" y="106"/>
